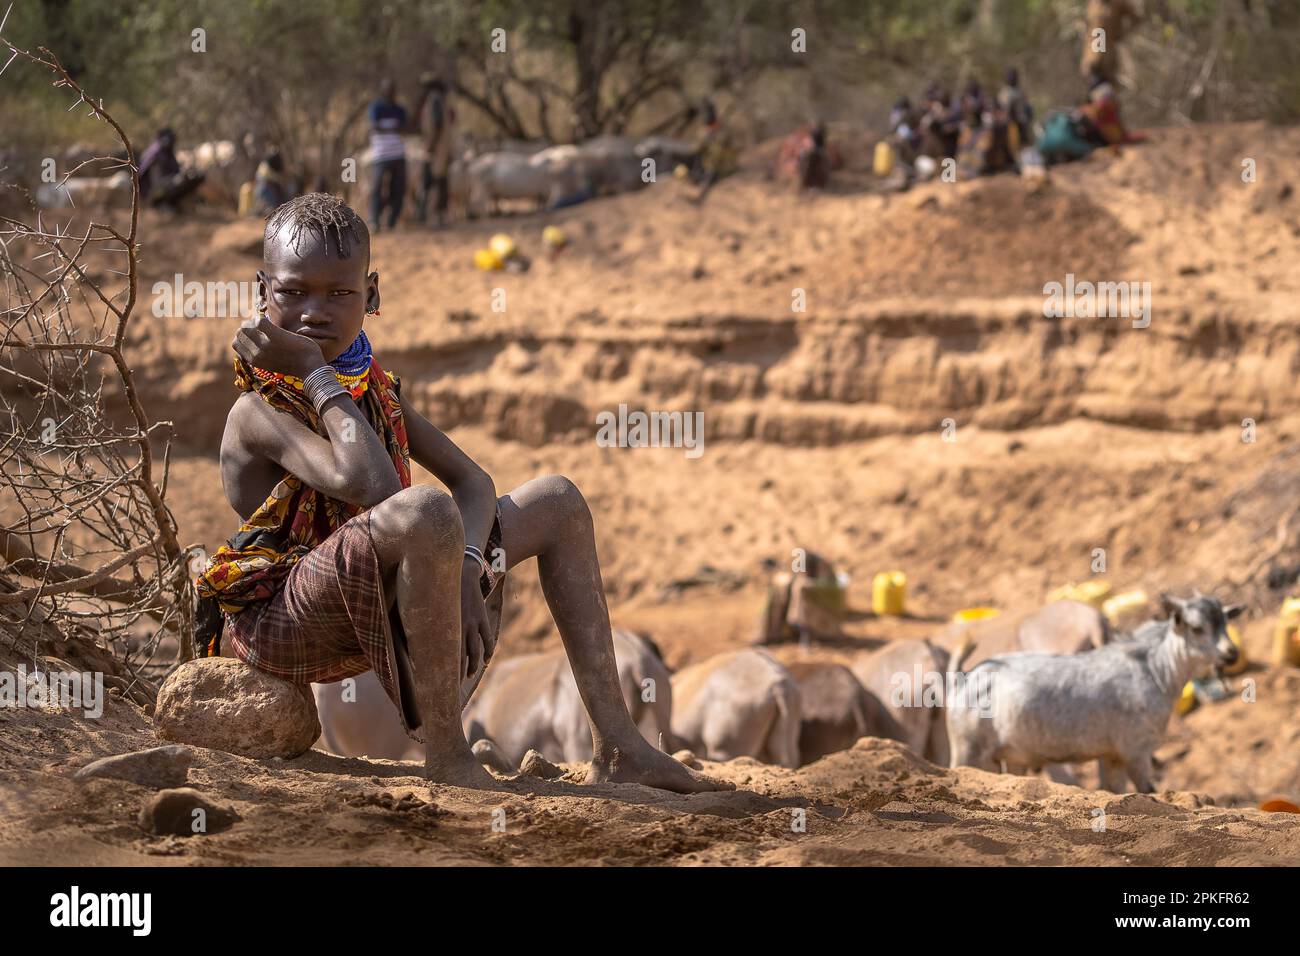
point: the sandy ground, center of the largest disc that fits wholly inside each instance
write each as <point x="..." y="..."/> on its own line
<point x="874" y="804"/>
<point x="823" y="430"/>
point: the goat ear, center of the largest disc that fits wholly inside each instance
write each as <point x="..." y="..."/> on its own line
<point x="1233" y="610"/>
<point x="1170" y="605"/>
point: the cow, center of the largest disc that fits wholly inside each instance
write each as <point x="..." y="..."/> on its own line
<point x="907" y="678"/>
<point x="738" y="704"/>
<point x="1061" y="627"/>
<point x="87" y="191"/>
<point x="836" y="710"/>
<point x="540" y="178"/>
<point x="532" y="703"/>
<point x="524" y="703"/>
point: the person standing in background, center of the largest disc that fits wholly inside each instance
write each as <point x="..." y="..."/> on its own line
<point x="387" y="156"/>
<point x="437" y="124"/>
<point x="1016" y="110"/>
<point x="1113" y="18"/>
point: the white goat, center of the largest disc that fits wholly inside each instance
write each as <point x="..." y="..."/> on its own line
<point x="1112" y="703"/>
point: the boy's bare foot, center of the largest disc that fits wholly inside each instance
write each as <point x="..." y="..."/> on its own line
<point x="490" y="756"/>
<point x="460" y="770"/>
<point x="650" y="768"/>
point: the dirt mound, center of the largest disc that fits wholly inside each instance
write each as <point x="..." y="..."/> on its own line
<point x="874" y="804"/>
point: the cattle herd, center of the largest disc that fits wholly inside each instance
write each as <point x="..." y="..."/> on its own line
<point x="482" y="179"/>
<point x="1016" y="693"/>
<point x="555" y="175"/>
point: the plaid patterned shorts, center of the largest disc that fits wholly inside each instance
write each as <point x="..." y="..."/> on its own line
<point x="331" y="620"/>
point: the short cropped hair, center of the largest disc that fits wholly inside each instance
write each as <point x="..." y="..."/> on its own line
<point x="320" y="215"/>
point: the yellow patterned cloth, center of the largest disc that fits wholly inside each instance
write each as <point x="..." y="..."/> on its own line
<point x="295" y="517"/>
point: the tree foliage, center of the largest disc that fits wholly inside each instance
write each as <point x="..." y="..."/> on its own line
<point x="299" y="74"/>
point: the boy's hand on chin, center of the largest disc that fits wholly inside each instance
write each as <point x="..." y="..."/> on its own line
<point x="263" y="344"/>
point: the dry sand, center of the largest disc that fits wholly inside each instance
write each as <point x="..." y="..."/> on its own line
<point x="823" y="431"/>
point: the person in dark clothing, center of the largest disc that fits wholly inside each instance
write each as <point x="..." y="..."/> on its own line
<point x="973" y="103"/>
<point x="815" y="160"/>
<point x="162" y="181"/>
<point x="387" y="156"/>
<point x="1016" y="109"/>
<point x="437" y="121"/>
<point x="717" y="157"/>
<point x="271" y="184"/>
<point x="941" y="125"/>
<point x="905" y="130"/>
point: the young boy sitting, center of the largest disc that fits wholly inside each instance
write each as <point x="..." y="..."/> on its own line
<point x="342" y="566"/>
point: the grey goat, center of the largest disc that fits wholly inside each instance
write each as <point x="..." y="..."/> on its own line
<point x="1112" y="703"/>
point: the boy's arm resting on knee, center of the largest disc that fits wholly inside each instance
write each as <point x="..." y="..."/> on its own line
<point x="471" y="487"/>
<point x="351" y="465"/>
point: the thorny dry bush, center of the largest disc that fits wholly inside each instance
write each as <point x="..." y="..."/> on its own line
<point x="87" y="541"/>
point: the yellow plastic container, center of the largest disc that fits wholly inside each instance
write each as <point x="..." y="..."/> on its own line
<point x="967" y="614"/>
<point x="882" y="161"/>
<point x="1241" y="662"/>
<point x="1286" y="635"/>
<point x="889" y="592"/>
<point x="247" y="197"/>
<point x="487" y="260"/>
<point x="502" y="245"/>
<point x="1094" y="592"/>
<point x="1186" y="702"/>
<point x="1121" y="604"/>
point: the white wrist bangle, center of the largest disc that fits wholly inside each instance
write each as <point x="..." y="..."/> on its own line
<point x="484" y="567"/>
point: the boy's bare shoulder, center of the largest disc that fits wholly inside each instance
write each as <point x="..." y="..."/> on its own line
<point x="243" y="417"/>
<point x="256" y="429"/>
<point x="250" y="426"/>
<point x="249" y="451"/>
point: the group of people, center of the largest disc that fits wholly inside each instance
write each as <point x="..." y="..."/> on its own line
<point x="434" y="121"/>
<point x="389" y="122"/>
<point x="165" y="184"/>
<point x="990" y="134"/>
<point x="983" y="133"/>
<point x="1073" y="134"/>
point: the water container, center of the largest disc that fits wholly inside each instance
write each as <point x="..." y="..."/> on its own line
<point x="1121" y="606"/>
<point x="965" y="615"/>
<point x="1286" y="641"/>
<point x="1241" y="662"/>
<point x="889" y="592"/>
<point x="1092" y="592"/>
<point x="247" y="196"/>
<point x="882" y="162"/>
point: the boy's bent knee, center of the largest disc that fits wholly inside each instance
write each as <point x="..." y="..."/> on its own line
<point x="420" y="514"/>
<point x="565" y="497"/>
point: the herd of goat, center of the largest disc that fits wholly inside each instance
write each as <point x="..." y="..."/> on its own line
<point x="1017" y="694"/>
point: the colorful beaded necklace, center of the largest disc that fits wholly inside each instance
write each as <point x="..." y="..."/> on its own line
<point x="352" y="369"/>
